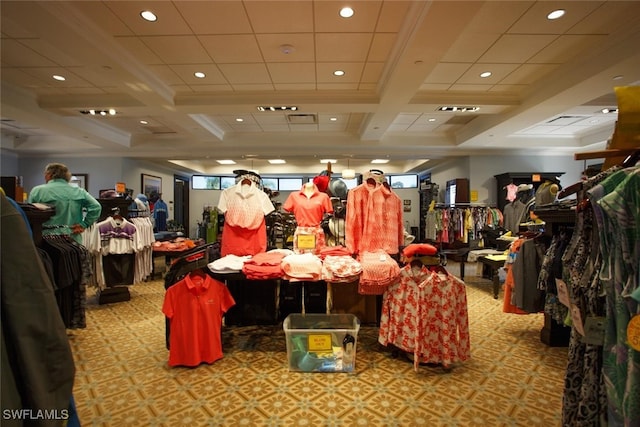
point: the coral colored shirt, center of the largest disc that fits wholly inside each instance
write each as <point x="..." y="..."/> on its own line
<point x="195" y="306"/>
<point x="308" y="210"/>
<point x="374" y="219"/>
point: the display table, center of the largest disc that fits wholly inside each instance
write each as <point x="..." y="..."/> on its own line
<point x="458" y="255"/>
<point x="494" y="262"/>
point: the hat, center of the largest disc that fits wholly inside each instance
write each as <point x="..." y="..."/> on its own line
<point x="525" y="187"/>
<point x="322" y="182"/>
<point x="337" y="188"/>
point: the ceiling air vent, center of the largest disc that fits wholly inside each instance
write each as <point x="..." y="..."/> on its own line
<point x="564" y="120"/>
<point x="301" y="119"/>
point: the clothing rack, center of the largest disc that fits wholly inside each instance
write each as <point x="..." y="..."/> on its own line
<point x="633" y="156"/>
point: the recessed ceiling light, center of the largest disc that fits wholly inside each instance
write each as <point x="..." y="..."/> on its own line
<point x="346" y="12"/>
<point x="226" y="162"/>
<point x="112" y="111"/>
<point x="328" y="161"/>
<point x="338" y="73"/>
<point x="144" y="122"/>
<point x="432" y="119"/>
<point x="58" y="78"/>
<point x="199" y="74"/>
<point x="239" y="119"/>
<point x="559" y="13"/>
<point x="333" y="119"/>
<point x="485" y="74"/>
<point x="147" y="15"/>
<point x="379" y="161"/>
<point x="277" y="161"/>
<point x="609" y="110"/>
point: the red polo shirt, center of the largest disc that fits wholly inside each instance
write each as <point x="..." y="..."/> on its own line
<point x="308" y="210"/>
<point x="195" y="306"/>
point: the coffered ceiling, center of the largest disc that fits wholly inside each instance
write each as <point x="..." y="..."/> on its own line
<point x="402" y="62"/>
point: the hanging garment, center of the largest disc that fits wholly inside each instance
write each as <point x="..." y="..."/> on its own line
<point x="425" y="313"/>
<point x="584" y="400"/>
<point x="195" y="307"/>
<point x="616" y="203"/>
<point x="244" y="208"/>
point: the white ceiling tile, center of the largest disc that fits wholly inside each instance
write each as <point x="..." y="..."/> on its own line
<point x="565" y="48"/>
<point x="177" y="49"/>
<point x="372" y="71"/>
<point x="303" y="47"/>
<point x="392" y="16"/>
<point x="139" y="50"/>
<point x="215" y="17"/>
<point x="245" y="73"/>
<point x="212" y="73"/>
<point x="498" y="72"/>
<point x="353" y="72"/>
<point x="232" y="48"/>
<point x="332" y="47"/>
<point x="169" y="21"/>
<point x="527" y="74"/>
<point x="280" y="16"/>
<point x="446" y="73"/>
<point x="469" y="47"/>
<point x="304" y="72"/>
<point x="535" y="21"/>
<point x="515" y="48"/>
<point x="328" y="20"/>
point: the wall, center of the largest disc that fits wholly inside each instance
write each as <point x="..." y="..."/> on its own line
<point x="8" y="164"/>
<point x="483" y="168"/>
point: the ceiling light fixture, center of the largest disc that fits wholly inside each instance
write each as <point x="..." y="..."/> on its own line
<point x="485" y="74"/>
<point x="333" y="119"/>
<point x="338" y="73"/>
<point x="618" y="77"/>
<point x="199" y="74"/>
<point x="559" y="13"/>
<point x="144" y="122"/>
<point x="147" y="15"/>
<point x="272" y="108"/>
<point x="612" y="110"/>
<point x="277" y="161"/>
<point x="348" y="173"/>
<point x="58" y="77"/>
<point x="93" y="112"/>
<point x="332" y="161"/>
<point x="346" y="12"/>
<point x="462" y="109"/>
<point x="226" y="162"/>
<point x="239" y="119"/>
<point x="432" y="119"/>
<point x="379" y="161"/>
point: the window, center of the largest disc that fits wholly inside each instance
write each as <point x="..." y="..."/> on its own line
<point x="205" y="182"/>
<point x="403" y="181"/>
<point x="227" y="182"/>
<point x="270" y="183"/>
<point x="289" y="184"/>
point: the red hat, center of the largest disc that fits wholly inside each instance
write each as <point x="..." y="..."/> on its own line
<point x="322" y="182"/>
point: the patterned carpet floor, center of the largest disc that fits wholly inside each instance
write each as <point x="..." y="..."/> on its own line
<point x="123" y="378"/>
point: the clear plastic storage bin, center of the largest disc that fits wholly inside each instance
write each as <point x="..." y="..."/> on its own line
<point x="321" y="342"/>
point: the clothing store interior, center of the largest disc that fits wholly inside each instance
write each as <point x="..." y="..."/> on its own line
<point x="320" y="213"/>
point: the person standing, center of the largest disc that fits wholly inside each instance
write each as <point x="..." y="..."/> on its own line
<point x="76" y="209"/>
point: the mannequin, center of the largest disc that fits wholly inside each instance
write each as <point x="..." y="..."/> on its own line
<point x="309" y="207"/>
<point x="309" y="189"/>
<point x="546" y="193"/>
